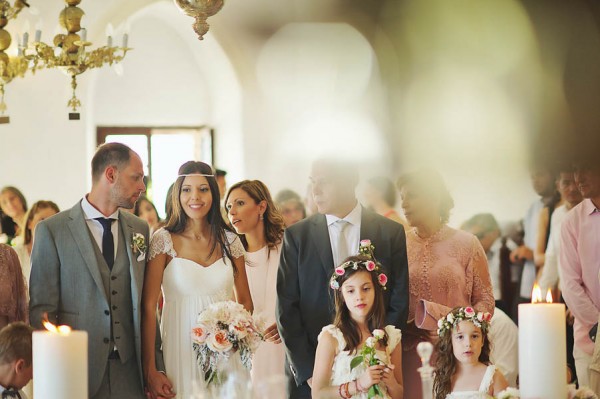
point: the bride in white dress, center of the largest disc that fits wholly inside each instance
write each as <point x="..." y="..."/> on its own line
<point x="197" y="263"/>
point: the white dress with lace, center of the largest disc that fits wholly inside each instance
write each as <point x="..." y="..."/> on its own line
<point x="484" y="387"/>
<point x="341" y="372"/>
<point x="188" y="288"/>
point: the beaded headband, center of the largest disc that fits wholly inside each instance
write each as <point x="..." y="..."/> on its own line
<point x="195" y="174"/>
<point x="451" y="320"/>
<point x="366" y="249"/>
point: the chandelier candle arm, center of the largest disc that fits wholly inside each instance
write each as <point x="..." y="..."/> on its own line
<point x="69" y="51"/>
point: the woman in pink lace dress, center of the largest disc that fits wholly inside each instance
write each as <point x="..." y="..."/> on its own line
<point x="447" y="267"/>
<point x="13" y="297"/>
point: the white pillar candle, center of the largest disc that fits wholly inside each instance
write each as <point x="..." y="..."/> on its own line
<point x="60" y="364"/>
<point x="542" y="351"/>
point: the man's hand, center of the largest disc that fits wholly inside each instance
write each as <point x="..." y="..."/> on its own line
<point x="272" y="334"/>
<point x="158" y="386"/>
<point x="521" y="253"/>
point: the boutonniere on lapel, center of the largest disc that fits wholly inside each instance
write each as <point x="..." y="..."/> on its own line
<point x="138" y="245"/>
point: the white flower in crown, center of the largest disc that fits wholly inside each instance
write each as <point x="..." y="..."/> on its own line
<point x="138" y="245"/>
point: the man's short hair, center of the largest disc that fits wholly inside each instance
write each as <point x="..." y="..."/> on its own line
<point x="485" y="221"/>
<point x="15" y="343"/>
<point x="109" y="154"/>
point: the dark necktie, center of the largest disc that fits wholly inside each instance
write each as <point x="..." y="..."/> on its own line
<point x="108" y="243"/>
<point x="11" y="393"/>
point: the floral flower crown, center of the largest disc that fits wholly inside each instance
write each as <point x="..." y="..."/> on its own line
<point x="366" y="249"/>
<point x="451" y="320"/>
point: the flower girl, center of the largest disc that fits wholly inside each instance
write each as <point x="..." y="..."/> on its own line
<point x="350" y="362"/>
<point x="463" y="368"/>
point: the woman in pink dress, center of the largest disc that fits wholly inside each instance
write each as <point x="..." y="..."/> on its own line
<point x="447" y="267"/>
<point x="257" y="220"/>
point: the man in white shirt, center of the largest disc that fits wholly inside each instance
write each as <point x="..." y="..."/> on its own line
<point x="16" y="363"/>
<point x="311" y="249"/>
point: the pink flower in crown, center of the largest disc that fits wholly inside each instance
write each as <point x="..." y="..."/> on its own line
<point x="487" y="317"/>
<point x="340" y="271"/>
<point x="469" y="311"/>
<point x="382" y="279"/>
<point x="365" y="243"/>
<point x="370" y="265"/>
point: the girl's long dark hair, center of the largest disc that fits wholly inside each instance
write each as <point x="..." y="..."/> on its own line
<point x="343" y="320"/>
<point x="446" y="364"/>
<point x="178" y="220"/>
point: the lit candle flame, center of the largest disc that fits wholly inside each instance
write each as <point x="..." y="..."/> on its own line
<point x="549" y="296"/>
<point x="63" y="330"/>
<point x="536" y="294"/>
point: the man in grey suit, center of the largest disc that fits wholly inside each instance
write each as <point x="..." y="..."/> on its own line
<point x="312" y="247"/>
<point x="87" y="272"/>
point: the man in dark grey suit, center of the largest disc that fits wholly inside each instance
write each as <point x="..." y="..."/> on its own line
<point x="88" y="267"/>
<point x="312" y="247"/>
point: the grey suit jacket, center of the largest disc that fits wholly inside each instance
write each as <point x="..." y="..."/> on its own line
<point x="67" y="286"/>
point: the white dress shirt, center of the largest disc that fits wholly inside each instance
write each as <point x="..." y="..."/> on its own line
<point x="91" y="213"/>
<point x="504" y="336"/>
<point x="352" y="232"/>
<point x="21" y="393"/>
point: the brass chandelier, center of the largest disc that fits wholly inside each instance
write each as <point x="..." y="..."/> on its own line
<point x="200" y="10"/>
<point x="10" y="67"/>
<point x="70" y="53"/>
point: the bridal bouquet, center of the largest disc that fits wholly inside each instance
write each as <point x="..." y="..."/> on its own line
<point x="223" y="330"/>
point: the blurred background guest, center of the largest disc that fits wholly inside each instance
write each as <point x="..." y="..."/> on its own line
<point x="145" y="209"/>
<point x="39" y="211"/>
<point x="548" y="276"/>
<point x="447" y="267"/>
<point x="309" y="202"/>
<point x="485" y="227"/>
<point x="380" y="196"/>
<point x="542" y="181"/>
<point x="254" y="216"/>
<point x="13" y="205"/>
<point x="13" y="293"/>
<point x="221" y="182"/>
<point x="291" y="206"/>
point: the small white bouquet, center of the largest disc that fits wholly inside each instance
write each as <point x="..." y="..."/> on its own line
<point x="223" y="330"/>
<point x="509" y="393"/>
<point x="581" y="393"/>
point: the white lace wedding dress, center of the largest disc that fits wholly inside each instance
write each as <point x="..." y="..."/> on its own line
<point x="484" y="387"/>
<point x="341" y="372"/>
<point x="188" y="288"/>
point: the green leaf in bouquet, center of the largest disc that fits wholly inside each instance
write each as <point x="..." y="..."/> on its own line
<point x="356" y="361"/>
<point x="372" y="392"/>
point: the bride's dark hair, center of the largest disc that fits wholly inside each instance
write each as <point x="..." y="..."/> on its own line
<point x="178" y="220"/>
<point x="343" y="320"/>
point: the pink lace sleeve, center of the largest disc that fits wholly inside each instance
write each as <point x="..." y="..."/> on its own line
<point x="478" y="272"/>
<point x="13" y="294"/>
